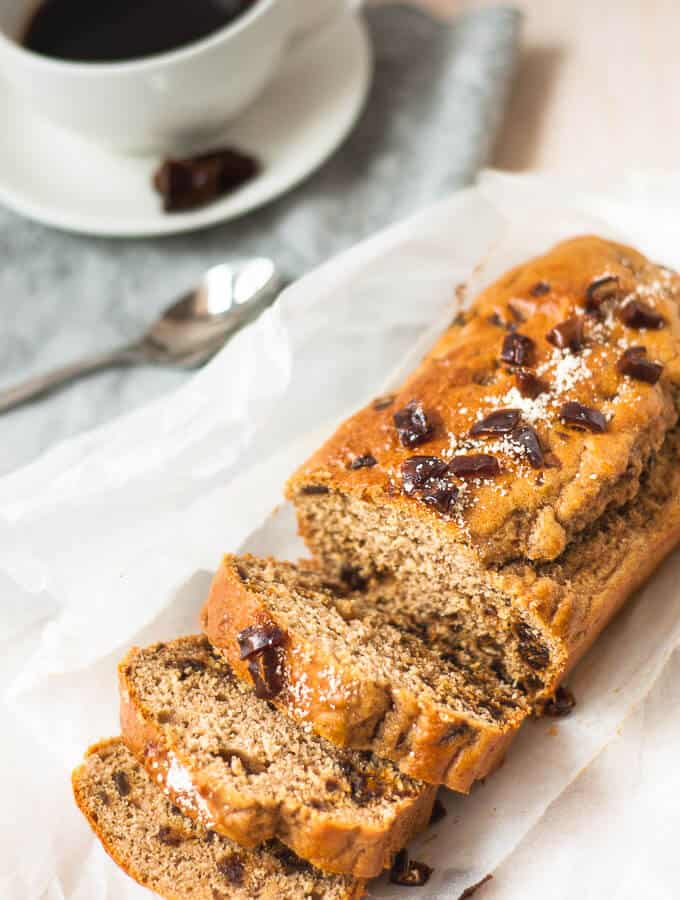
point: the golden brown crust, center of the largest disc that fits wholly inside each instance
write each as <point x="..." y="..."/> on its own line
<point x="331" y="842"/>
<point x="525" y="511"/>
<point x="426" y="741"/>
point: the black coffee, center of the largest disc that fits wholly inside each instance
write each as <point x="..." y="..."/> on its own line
<point x="117" y="30"/>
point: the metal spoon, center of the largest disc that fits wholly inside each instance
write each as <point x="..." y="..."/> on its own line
<point x="187" y="334"/>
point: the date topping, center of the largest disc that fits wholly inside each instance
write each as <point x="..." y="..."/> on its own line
<point x="257" y="638"/>
<point x="413" y="425"/>
<point x="601" y="290"/>
<point x="530" y="385"/>
<point x="409" y="872"/>
<point x="633" y="362"/>
<point x="517" y="349"/>
<point x="367" y="461"/>
<point x="477" y="465"/>
<point x="568" y="335"/>
<point x="583" y="417"/>
<point x="502" y="421"/>
<point x="636" y="314"/>
<point x="418" y="470"/>
<point x="561" y="704"/>
<point x="526" y="437"/>
<point x="540" y="289"/>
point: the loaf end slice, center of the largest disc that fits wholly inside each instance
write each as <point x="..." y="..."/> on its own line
<point x="173" y="856"/>
<point x="362" y="683"/>
<point x="246" y="770"/>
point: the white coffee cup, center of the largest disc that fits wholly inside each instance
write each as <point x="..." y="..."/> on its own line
<point x="163" y="103"/>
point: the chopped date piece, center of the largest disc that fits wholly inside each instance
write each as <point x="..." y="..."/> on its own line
<point x="561" y="704"/>
<point x="634" y="363"/>
<point x="579" y="416"/>
<point x="601" y="290"/>
<point x="530" y="385"/>
<point x="416" y="471"/>
<point x="353" y="578"/>
<point x="232" y="868"/>
<point x="540" y="289"/>
<point x="496" y="319"/>
<point x="526" y="437"/>
<point x="189" y="183"/>
<point x="502" y="421"/>
<point x="636" y="314"/>
<point x="517" y="350"/>
<point x="568" y="335"/>
<point x="169" y="836"/>
<point x="122" y="783"/>
<point x="311" y="489"/>
<point x="409" y="872"/>
<point x="472" y="890"/>
<point x="265" y="670"/>
<point x="412" y="424"/>
<point x="477" y="465"/>
<point x="440" y="494"/>
<point x="257" y="638"/>
<point x="383" y="402"/>
<point x="366" y="461"/>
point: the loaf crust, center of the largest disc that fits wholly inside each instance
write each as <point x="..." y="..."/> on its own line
<point x="521" y="512"/>
<point x="427" y="739"/>
<point x="176" y="858"/>
<point x="360" y="838"/>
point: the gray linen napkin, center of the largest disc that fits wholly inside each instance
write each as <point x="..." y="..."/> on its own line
<point x="430" y="120"/>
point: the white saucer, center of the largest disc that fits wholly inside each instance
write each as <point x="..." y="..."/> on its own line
<point x="62" y="180"/>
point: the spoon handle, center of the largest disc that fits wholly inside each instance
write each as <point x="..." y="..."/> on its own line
<point x="43" y="384"/>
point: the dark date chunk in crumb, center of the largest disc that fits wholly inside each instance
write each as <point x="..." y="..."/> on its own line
<point x="526" y="438"/>
<point x="517" y="349"/>
<point x="477" y="465"/>
<point x="600" y="290"/>
<point x="561" y="704"/>
<point x="540" y="289"/>
<point x="568" y="335"/>
<point x="367" y="461"/>
<point x="383" y="402"/>
<point x="311" y="489"/>
<point x="496" y="319"/>
<point x="502" y="421"/>
<point x="634" y="363"/>
<point x="266" y="670"/>
<point x="198" y="180"/>
<point x="636" y="314"/>
<point x="169" y="836"/>
<point x="409" y="872"/>
<point x="417" y="471"/>
<point x="353" y="578"/>
<point x="122" y="783"/>
<point x="232" y="868"/>
<point x="530" y="385"/>
<point x="472" y="890"/>
<point x="583" y="417"/>
<point x="257" y="638"/>
<point x="413" y="425"/>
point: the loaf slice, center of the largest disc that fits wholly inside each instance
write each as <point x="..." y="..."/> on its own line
<point x="461" y="501"/>
<point x="249" y="772"/>
<point x="173" y="856"/>
<point x="326" y="658"/>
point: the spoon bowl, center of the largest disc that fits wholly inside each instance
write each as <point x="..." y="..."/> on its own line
<point x="186" y="335"/>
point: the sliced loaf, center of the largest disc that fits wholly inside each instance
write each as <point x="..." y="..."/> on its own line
<point x="173" y="856"/>
<point x="325" y="657"/>
<point x="249" y="772"/>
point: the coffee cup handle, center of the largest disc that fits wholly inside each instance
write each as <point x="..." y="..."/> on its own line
<point x="311" y="16"/>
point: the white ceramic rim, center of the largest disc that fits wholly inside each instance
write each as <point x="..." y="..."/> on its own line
<point x="181" y="54"/>
<point x="215" y="214"/>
